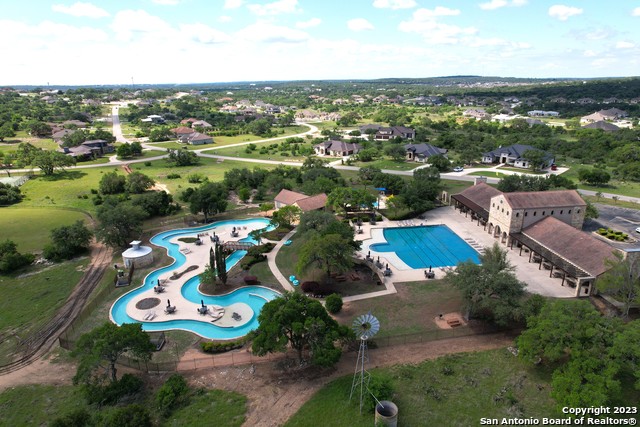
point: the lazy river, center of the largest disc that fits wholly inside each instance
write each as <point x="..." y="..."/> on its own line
<point x="254" y="296"/>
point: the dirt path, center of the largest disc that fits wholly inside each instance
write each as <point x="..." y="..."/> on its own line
<point x="40" y="342"/>
<point x="275" y="395"/>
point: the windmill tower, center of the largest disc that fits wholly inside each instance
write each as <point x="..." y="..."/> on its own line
<point x="365" y="327"/>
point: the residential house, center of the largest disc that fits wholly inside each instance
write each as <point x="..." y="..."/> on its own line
<point x="88" y="149"/>
<point x="602" y="125"/>
<point x="422" y="152"/>
<point x="336" y="148"/>
<point x="182" y="131"/>
<point x="513" y="156"/>
<point x="388" y="133"/>
<point x="201" y="124"/>
<point x="196" y="138"/>
<point x="541" y="113"/>
<point x="59" y="135"/>
<point x="304" y="202"/>
<point x="153" y="118"/>
<point x="475" y="113"/>
<point x="610" y="114"/>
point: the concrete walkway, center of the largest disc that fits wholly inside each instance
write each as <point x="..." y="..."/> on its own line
<point x="271" y="261"/>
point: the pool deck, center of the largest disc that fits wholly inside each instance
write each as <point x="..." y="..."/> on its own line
<point x="197" y="255"/>
<point x="538" y="281"/>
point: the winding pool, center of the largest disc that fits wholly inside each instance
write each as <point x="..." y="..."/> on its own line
<point x="254" y="296"/>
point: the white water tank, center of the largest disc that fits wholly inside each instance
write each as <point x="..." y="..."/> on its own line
<point x="137" y="255"/>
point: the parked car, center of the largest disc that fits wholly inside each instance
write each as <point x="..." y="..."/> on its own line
<point x="638" y="230"/>
<point x="458" y="169"/>
<point x="554" y="167"/>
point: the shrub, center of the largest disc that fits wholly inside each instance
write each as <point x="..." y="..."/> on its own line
<point x="248" y="261"/>
<point x="78" y="417"/>
<point x="147" y="163"/>
<point x="334" y="303"/>
<point x="381" y="388"/>
<point x="112" y="393"/>
<point x="134" y="415"/>
<point x="309" y="287"/>
<point x="260" y="249"/>
<point x="196" y="178"/>
<point x="174" y="176"/>
<point x="172" y="394"/>
<point x="220" y="347"/>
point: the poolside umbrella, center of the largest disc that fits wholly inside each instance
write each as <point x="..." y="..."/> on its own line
<point x="202" y="302"/>
<point x="168" y="303"/>
<point x="378" y="258"/>
<point x="429" y="269"/>
<point x="368" y="254"/>
<point x="387" y="266"/>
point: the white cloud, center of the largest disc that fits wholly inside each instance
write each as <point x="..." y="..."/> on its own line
<point x="203" y="33"/>
<point x="635" y="12"/>
<point x="563" y="12"/>
<point x="423" y="14"/>
<point x="81" y="9"/>
<point x="394" y="4"/>
<point x="424" y="22"/>
<point x="313" y="22"/>
<point x="359" y="24"/>
<point x="624" y="45"/>
<point x="494" y="4"/>
<point x="268" y="33"/>
<point x="497" y="4"/>
<point x="275" y="8"/>
<point x="232" y="4"/>
<point x="589" y="53"/>
<point x="166" y="2"/>
<point x="126" y="23"/>
<point x="224" y="18"/>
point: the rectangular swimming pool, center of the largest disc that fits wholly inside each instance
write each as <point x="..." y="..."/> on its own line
<point x="426" y="246"/>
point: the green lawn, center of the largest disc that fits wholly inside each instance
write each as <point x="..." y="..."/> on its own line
<point x="623" y="188"/>
<point x="174" y="145"/>
<point x="412" y="310"/>
<point x="389" y="164"/>
<point x="456" y="390"/>
<point x="29" y="228"/>
<point x="489" y="174"/>
<point x="30" y="300"/>
<point x="65" y="189"/>
<point x="211" y="168"/>
<point x="211" y="407"/>
<point x="273" y="154"/>
<point x="38" y="405"/>
<point x="11" y="144"/>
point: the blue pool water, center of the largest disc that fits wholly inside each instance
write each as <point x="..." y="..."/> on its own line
<point x="254" y="296"/>
<point x="425" y="246"/>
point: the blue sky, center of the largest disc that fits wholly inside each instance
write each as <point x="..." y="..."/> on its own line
<point x="194" y="41"/>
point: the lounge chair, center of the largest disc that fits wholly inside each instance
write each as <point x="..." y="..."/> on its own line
<point x="158" y="289"/>
<point x="203" y="309"/>
<point x="236" y="316"/>
<point x="170" y="309"/>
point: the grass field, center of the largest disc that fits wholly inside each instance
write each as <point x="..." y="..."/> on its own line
<point x="211" y="168"/>
<point x="389" y="164"/>
<point x="174" y="145"/>
<point x="412" y="310"/>
<point x="31" y="298"/>
<point x="38" y="405"/>
<point x="454" y="390"/>
<point x="29" y="228"/>
<point x="255" y="154"/>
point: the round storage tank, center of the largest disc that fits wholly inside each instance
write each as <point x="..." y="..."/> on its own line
<point x="386" y="414"/>
<point x="137" y="255"/>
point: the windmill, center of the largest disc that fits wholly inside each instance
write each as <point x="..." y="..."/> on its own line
<point x="365" y="327"/>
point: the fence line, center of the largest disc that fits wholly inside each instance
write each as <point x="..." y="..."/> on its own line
<point x="68" y="338"/>
<point x="245" y="357"/>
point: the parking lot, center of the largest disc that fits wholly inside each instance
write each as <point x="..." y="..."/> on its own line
<point x="617" y="218"/>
